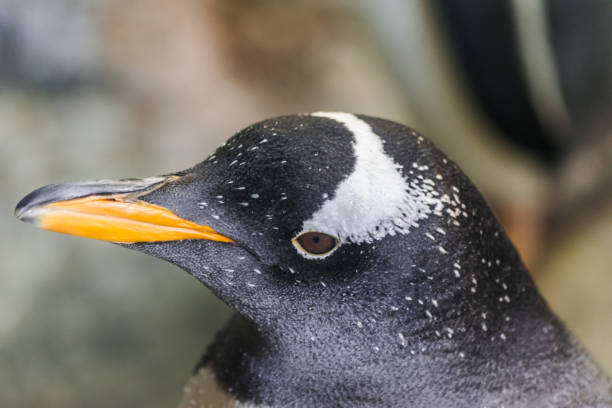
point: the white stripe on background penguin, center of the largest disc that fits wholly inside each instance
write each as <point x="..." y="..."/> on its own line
<point x="364" y="267"/>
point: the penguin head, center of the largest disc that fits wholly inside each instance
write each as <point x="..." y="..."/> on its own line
<point x="308" y="224"/>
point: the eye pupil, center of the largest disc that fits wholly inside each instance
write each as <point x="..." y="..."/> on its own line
<point x="317" y="243"/>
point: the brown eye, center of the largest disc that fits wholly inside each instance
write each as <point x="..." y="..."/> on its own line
<point x="316" y="243"/>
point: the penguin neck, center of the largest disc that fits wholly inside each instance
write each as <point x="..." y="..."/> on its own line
<point x="382" y="345"/>
<point x="468" y="289"/>
<point x="362" y="364"/>
<point x="413" y="320"/>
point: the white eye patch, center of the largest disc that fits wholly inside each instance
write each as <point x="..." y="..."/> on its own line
<point x="375" y="200"/>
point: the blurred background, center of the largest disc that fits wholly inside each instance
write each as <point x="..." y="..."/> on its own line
<point x="518" y="92"/>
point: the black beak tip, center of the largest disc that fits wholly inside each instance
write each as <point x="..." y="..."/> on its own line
<point x="20" y="206"/>
<point x="37" y="198"/>
<point x="34" y="199"/>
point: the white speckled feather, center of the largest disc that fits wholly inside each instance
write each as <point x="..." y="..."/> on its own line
<point x="375" y="200"/>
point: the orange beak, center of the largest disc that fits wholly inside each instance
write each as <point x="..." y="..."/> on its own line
<point x="117" y="217"/>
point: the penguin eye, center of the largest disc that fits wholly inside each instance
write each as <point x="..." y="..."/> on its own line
<point x="316" y="244"/>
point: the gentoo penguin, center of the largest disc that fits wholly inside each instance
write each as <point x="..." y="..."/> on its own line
<point x="364" y="267"/>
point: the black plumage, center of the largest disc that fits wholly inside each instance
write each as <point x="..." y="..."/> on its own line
<point x="424" y="303"/>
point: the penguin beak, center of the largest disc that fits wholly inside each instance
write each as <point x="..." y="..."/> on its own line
<point x="110" y="211"/>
